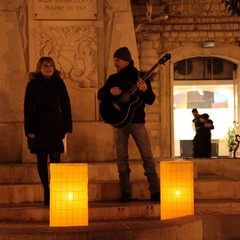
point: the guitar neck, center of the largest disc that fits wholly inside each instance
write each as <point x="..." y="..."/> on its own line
<point x="144" y="78"/>
<point x="165" y="58"/>
<point x="148" y="73"/>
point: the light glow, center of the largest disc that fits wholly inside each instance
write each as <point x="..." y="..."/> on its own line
<point x="177" y="193"/>
<point x="177" y="189"/>
<point x="68" y="194"/>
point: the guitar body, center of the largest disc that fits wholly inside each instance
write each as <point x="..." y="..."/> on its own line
<point x="118" y="113"/>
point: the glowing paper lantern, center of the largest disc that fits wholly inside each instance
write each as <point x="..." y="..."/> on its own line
<point x="68" y="194"/>
<point x="177" y="189"/>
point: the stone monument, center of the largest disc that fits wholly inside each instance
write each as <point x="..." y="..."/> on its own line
<point x="81" y="37"/>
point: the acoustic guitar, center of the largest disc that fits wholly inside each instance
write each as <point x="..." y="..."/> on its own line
<point x="119" y="113"/>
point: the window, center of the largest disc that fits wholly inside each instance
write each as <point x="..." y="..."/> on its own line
<point x="194" y="88"/>
<point x="204" y="68"/>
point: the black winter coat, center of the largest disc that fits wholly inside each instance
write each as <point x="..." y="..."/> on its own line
<point x="47" y="113"/>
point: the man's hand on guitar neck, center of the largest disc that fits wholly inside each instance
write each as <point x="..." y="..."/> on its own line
<point x="142" y="86"/>
<point x="115" y="91"/>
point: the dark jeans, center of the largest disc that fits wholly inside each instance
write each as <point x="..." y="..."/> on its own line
<point x="139" y="133"/>
<point x="42" y="165"/>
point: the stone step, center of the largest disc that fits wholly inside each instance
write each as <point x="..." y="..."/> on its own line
<point x="98" y="211"/>
<point x="189" y="227"/>
<point x="100" y="171"/>
<point x="214" y="224"/>
<point x="107" y="171"/>
<point x="114" y="210"/>
<point x="20" y="193"/>
<point x="27" y="172"/>
<point x="205" y="187"/>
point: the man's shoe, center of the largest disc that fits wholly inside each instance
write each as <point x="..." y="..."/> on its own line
<point x="155" y="197"/>
<point x="125" y="197"/>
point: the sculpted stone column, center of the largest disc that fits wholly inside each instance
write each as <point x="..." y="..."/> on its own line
<point x="12" y="81"/>
<point x="165" y="109"/>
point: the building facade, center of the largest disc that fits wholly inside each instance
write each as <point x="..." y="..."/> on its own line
<point x="82" y="37"/>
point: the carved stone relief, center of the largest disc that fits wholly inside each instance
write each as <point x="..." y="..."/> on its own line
<point x="74" y="50"/>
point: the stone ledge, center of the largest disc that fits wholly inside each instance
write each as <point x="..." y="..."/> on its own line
<point x="189" y="227"/>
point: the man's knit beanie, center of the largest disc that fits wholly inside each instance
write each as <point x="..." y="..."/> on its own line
<point x="123" y="53"/>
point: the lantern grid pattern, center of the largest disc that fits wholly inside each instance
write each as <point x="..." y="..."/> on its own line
<point x="177" y="189"/>
<point x="68" y="194"/>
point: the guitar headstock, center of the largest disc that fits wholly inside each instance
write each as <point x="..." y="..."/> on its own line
<point x="165" y="58"/>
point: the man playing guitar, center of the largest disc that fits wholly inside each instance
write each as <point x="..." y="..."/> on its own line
<point x="113" y="99"/>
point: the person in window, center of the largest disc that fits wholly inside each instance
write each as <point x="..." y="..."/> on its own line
<point x="203" y="137"/>
<point x="196" y="117"/>
<point x="47" y="117"/>
<point x="195" y="123"/>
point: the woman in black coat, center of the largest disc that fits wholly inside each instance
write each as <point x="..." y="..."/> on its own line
<point x="47" y="117"/>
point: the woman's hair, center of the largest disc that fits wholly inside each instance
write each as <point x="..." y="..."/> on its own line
<point x="42" y="60"/>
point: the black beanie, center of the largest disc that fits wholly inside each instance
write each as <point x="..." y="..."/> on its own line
<point x="123" y="53"/>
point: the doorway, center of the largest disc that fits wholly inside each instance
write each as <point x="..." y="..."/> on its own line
<point x="206" y="84"/>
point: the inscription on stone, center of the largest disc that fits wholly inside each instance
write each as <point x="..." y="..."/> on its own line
<point x="65" y="9"/>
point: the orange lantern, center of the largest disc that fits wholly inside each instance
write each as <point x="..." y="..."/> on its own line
<point x="68" y="194"/>
<point x="177" y="189"/>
